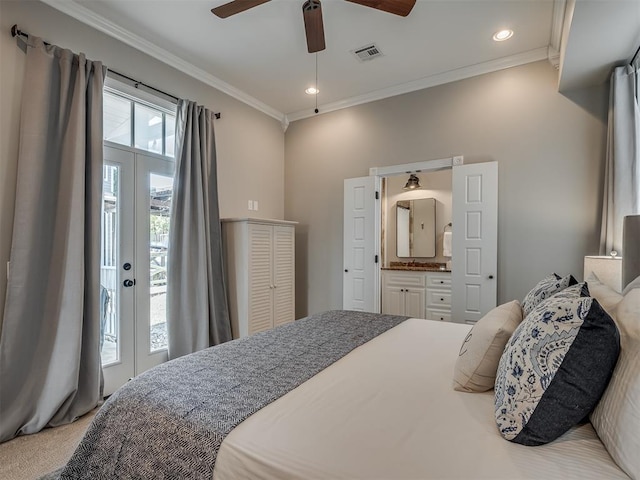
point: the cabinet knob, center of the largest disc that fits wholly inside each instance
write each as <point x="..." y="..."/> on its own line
<point x="490" y="277"/>
<point x="441" y="281"/>
<point x="442" y="299"/>
<point x="346" y="270"/>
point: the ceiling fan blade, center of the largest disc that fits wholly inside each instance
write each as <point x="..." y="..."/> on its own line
<point x="397" y="7"/>
<point x="313" y="26"/>
<point x="236" y="6"/>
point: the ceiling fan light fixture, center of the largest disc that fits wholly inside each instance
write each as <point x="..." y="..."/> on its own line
<point x="312" y="91"/>
<point x="502" y="35"/>
<point x="413" y="183"/>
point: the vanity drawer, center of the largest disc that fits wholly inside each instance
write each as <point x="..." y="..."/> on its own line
<point x="404" y="279"/>
<point x="438" y="298"/>
<point x="441" y="315"/>
<point x="439" y="281"/>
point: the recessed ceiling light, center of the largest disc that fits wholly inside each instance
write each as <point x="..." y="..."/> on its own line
<point x="312" y="91"/>
<point x="503" y="35"/>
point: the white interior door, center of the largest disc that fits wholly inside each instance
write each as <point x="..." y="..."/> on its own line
<point x="137" y="192"/>
<point x="360" y="269"/>
<point x="475" y="240"/>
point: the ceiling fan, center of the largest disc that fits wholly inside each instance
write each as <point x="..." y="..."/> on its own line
<point x="312" y="13"/>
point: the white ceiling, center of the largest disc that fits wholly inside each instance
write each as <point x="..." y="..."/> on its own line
<point x="260" y="56"/>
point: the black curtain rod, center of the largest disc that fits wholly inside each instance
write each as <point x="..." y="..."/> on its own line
<point x="15" y="32"/>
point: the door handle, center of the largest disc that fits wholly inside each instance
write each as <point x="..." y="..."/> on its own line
<point x="129" y="283"/>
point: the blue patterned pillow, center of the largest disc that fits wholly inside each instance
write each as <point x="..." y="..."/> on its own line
<point x="545" y="288"/>
<point x="574" y="291"/>
<point x="554" y="369"/>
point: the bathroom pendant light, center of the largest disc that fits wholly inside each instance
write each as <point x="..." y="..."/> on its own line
<point x="412" y="183"/>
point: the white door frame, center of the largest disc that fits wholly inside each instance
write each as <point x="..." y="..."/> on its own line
<point x="427" y="166"/>
<point x="383" y="172"/>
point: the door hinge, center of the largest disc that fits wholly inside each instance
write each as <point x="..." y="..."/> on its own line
<point x="375" y="259"/>
<point x="377" y="195"/>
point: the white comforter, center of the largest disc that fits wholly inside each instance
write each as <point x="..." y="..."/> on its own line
<point x="388" y="411"/>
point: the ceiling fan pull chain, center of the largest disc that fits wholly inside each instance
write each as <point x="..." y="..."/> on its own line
<point x="317" y="88"/>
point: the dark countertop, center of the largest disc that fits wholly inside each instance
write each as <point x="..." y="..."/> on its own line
<point x="417" y="267"/>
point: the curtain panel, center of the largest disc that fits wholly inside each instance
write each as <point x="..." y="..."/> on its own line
<point x="197" y="312"/>
<point x="622" y="171"/>
<point x="50" y="371"/>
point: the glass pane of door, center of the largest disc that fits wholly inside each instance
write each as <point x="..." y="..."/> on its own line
<point x="109" y="277"/>
<point x="160" y="194"/>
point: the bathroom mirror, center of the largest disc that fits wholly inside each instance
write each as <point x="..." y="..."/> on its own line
<point x="416" y="228"/>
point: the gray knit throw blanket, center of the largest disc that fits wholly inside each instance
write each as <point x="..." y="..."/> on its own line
<point x="169" y="422"/>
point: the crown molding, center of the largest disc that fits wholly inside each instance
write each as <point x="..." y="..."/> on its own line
<point x="92" y="19"/>
<point x="557" y="24"/>
<point x="430" y="81"/>
<point x="100" y="23"/>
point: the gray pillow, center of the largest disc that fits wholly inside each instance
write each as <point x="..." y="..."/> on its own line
<point x="554" y="369"/>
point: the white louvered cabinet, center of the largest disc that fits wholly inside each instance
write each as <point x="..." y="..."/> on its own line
<point x="260" y="266"/>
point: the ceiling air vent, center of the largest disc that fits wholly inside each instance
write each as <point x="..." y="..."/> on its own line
<point x="368" y="52"/>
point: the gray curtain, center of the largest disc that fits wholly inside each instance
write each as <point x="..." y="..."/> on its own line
<point x="622" y="171"/>
<point x="198" y="316"/>
<point x="50" y="370"/>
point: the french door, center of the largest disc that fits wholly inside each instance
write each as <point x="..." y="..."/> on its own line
<point x="137" y="193"/>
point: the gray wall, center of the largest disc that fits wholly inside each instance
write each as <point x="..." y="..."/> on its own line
<point x="551" y="158"/>
<point x="250" y="144"/>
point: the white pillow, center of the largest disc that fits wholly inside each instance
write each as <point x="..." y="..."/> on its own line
<point x="606" y="296"/>
<point x="481" y="351"/>
<point x="616" y="418"/>
<point x="634" y="284"/>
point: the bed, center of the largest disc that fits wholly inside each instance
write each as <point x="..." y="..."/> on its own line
<point x="384" y="410"/>
<point x="387" y="410"/>
<point x="375" y="400"/>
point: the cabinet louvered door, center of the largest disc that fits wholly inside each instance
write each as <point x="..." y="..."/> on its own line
<point x="283" y="274"/>
<point x="260" y="278"/>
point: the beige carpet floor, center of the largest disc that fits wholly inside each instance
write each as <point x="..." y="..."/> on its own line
<point x="28" y="457"/>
